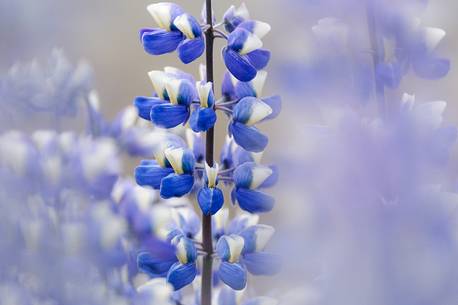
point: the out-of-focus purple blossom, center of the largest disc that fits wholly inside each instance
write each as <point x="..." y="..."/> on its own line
<point x="55" y="88"/>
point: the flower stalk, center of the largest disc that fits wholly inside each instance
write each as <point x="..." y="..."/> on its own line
<point x="207" y="236"/>
<point x="378" y="53"/>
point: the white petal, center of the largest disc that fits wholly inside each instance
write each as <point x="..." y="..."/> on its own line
<point x="258" y="82"/>
<point x="183" y="24"/>
<point x="129" y="117"/>
<point x="252" y="43"/>
<point x="261" y="29"/>
<point x="263" y="236"/>
<point x="180" y="244"/>
<point x="236" y="244"/>
<point x="257" y="157"/>
<point x="203" y="72"/>
<point x="433" y="37"/>
<point x="204" y="91"/>
<point x="173" y="88"/>
<point x="221" y="219"/>
<point x="259" y="111"/>
<point x="161" y="13"/>
<point x="242" y="11"/>
<point x="159" y="79"/>
<point x="430" y="114"/>
<point x="260" y="174"/>
<point x="175" y="157"/>
<point x="212" y="174"/>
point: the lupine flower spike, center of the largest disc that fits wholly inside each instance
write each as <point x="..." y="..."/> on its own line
<point x="179" y="169"/>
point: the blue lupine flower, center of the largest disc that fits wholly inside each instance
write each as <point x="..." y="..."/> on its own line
<point x="196" y="143"/>
<point x="245" y="252"/>
<point x="231" y="272"/>
<point x="178" y="31"/>
<point x="254" y="88"/>
<point x="177" y="94"/>
<point x="176" y="260"/>
<point x="171" y="172"/>
<point x="244" y="55"/>
<point x="415" y="47"/>
<point x="249" y="178"/>
<point x="210" y="197"/>
<point x="246" y="113"/>
<point x="233" y="17"/>
<point x="204" y="117"/>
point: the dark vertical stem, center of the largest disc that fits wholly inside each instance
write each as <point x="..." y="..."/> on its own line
<point x="207" y="238"/>
<point x="378" y="52"/>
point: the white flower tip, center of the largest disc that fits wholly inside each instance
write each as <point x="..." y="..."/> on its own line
<point x="260" y="174"/>
<point x="242" y="11"/>
<point x="433" y="36"/>
<point x="161" y="13"/>
<point x="204" y="90"/>
<point x="175" y="157"/>
<point x="236" y="244"/>
<point x="252" y="43"/>
<point x="158" y="79"/>
<point x="93" y="100"/>
<point x="261" y="29"/>
<point x="259" y="111"/>
<point x="263" y="236"/>
<point x="183" y="24"/>
<point x="173" y="87"/>
<point x="259" y="81"/>
<point x="212" y="174"/>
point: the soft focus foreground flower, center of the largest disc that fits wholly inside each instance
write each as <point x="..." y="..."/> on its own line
<point x="55" y="88"/>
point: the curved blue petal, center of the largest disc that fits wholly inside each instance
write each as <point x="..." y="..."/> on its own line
<point x="259" y="58"/>
<point x="151" y="175"/>
<point x="227" y="87"/>
<point x="431" y="67"/>
<point x="248" y="137"/>
<point x="191" y="49"/>
<point x="168" y="115"/>
<point x="237" y="39"/>
<point x="390" y="74"/>
<point x="243" y="175"/>
<point x="144" y="105"/>
<point x="210" y="200"/>
<point x="244" y="89"/>
<point x="274" y="102"/>
<point x="153" y="265"/>
<point x="180" y="275"/>
<point x="262" y="263"/>
<point x="202" y="119"/>
<point x="159" y="41"/>
<point x="254" y="201"/>
<point x="233" y="275"/>
<point x="239" y="65"/>
<point x="176" y="185"/>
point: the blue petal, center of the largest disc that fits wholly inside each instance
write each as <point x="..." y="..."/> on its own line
<point x="227" y="87"/>
<point x="226" y="296"/>
<point x="261" y="263"/>
<point x="144" y="105"/>
<point x="248" y="137"/>
<point x="244" y="89"/>
<point x="151" y="175"/>
<point x="191" y="49"/>
<point x="152" y="266"/>
<point x="182" y="275"/>
<point x="176" y="185"/>
<point x="254" y="201"/>
<point x="274" y="102"/>
<point x="168" y="115"/>
<point x="158" y="41"/>
<point x="202" y="119"/>
<point x="239" y="65"/>
<point x="431" y="68"/>
<point x="243" y="175"/>
<point x="259" y="58"/>
<point x="237" y="39"/>
<point x="233" y="275"/>
<point x="390" y="74"/>
<point x="210" y="200"/>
